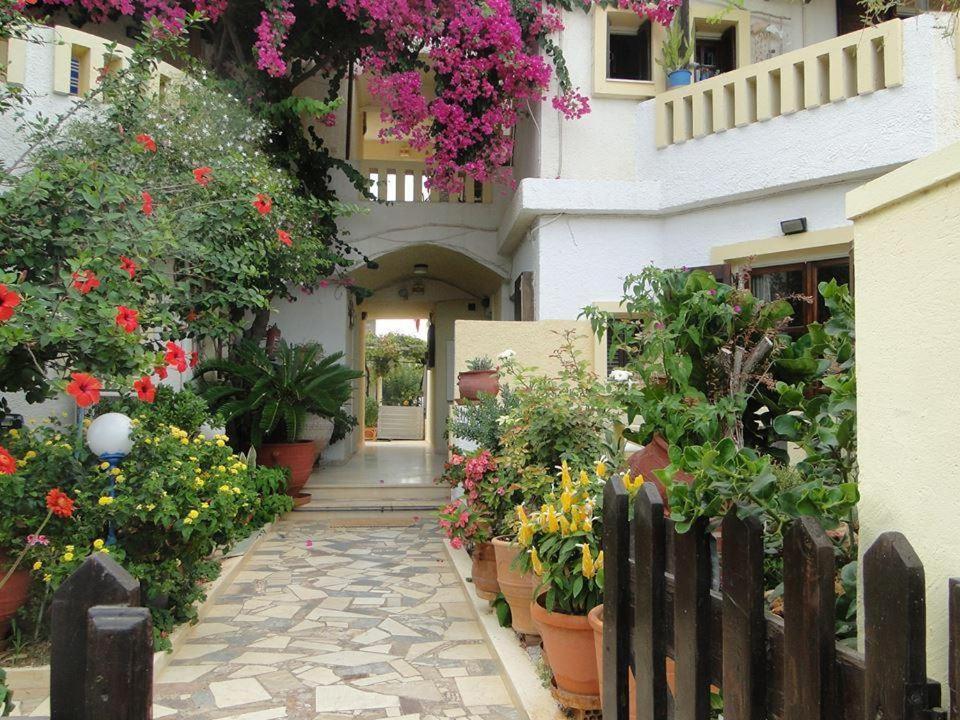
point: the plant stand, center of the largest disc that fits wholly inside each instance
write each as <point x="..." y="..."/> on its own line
<point x="579" y="707"/>
<point x="301" y="499"/>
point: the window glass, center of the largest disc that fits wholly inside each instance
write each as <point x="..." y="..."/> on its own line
<point x="775" y="283"/>
<point x="629" y="52"/>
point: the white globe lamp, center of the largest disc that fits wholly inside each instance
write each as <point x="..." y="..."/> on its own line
<point x="108" y="437"/>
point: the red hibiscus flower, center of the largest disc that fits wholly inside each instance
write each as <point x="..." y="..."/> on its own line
<point x="194" y="358"/>
<point x="161" y="371"/>
<point x="145" y="389"/>
<point x="263" y="203"/>
<point x="203" y="175"/>
<point x="8" y="301"/>
<point x="8" y="466"/>
<point x="146" y="142"/>
<point x="59" y="503"/>
<point x="147" y="203"/>
<point x="85" y="281"/>
<point x="128" y="265"/>
<point x="175" y="357"/>
<point x="127" y="319"/>
<point x="85" y="389"/>
<point x="284" y="237"/>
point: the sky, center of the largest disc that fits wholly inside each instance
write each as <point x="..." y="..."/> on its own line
<point x="404" y="327"/>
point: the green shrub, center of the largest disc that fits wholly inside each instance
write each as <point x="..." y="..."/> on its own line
<point x="371" y="412"/>
<point x="480" y="422"/>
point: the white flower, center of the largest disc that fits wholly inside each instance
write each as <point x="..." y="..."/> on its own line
<point x="503" y="419"/>
<point x="620" y="375"/>
<point x="506" y="355"/>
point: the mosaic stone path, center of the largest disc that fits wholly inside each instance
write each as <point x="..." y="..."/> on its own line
<point x="328" y="621"/>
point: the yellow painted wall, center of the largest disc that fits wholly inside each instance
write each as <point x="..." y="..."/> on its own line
<point x="907" y="249"/>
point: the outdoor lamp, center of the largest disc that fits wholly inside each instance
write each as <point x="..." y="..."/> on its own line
<point x="108" y="437"/>
<point x="794" y="226"/>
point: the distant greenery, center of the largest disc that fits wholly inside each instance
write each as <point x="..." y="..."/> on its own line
<point x="403" y="385"/>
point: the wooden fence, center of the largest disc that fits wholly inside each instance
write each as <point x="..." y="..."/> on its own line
<point x="101" y="655"/>
<point x="660" y="603"/>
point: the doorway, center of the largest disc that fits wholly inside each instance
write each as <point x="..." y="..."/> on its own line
<point x="397" y="388"/>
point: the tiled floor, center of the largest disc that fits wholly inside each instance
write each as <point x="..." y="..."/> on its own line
<point x="399" y="462"/>
<point x="331" y="619"/>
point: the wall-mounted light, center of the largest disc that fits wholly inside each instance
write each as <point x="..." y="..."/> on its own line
<point x="420" y="269"/>
<point x="792" y="227"/>
<point x="418" y="287"/>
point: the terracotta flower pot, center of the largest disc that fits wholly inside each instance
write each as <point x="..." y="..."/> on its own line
<point x="474" y="382"/>
<point x="298" y="457"/>
<point x="484" y="571"/>
<point x="568" y="642"/>
<point x="654" y="456"/>
<point x="369" y="433"/>
<point x="13" y="595"/>
<point x="517" y="587"/>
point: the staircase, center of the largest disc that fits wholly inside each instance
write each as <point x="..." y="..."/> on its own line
<point x="333" y="498"/>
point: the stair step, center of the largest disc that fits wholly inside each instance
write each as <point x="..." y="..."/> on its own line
<point x="434" y="494"/>
<point x="324" y="505"/>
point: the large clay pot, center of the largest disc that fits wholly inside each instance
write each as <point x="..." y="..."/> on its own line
<point x="654" y="456"/>
<point x="517" y="587"/>
<point x="298" y="457"/>
<point x="370" y="433"/>
<point x="13" y="595"/>
<point x="474" y="382"/>
<point x="568" y="643"/>
<point x="484" y="571"/>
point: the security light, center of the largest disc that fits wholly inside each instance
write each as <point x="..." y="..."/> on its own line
<point x="792" y="227"/>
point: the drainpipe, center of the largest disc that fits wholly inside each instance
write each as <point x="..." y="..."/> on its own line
<point x="346" y="154"/>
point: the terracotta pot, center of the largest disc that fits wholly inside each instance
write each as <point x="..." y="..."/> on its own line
<point x="484" y="571"/>
<point x="654" y="456"/>
<point x="517" y="587"/>
<point x="568" y="642"/>
<point x="474" y="382"/>
<point x="13" y="595"/>
<point x="369" y="433"/>
<point x="298" y="457"/>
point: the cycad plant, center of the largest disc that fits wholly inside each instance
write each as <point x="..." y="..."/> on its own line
<point x="267" y="398"/>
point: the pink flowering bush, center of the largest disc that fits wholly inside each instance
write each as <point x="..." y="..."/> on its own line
<point x="486" y="509"/>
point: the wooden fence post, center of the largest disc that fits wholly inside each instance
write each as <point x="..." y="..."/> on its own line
<point x="616" y="605"/>
<point x="98" y="581"/>
<point x="895" y="643"/>
<point x="649" y="592"/>
<point x="691" y="626"/>
<point x="809" y="642"/>
<point x="119" y="677"/>
<point x="953" y="656"/>
<point x="744" y="622"/>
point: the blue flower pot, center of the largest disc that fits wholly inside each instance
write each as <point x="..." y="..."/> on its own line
<point x="678" y="78"/>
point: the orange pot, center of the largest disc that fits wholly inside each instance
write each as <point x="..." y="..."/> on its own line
<point x="13" y="595"/>
<point x="517" y="587"/>
<point x="568" y="642"/>
<point x="297" y="457"/>
<point x="654" y="456"/>
<point x="484" y="571"/>
<point x="474" y="382"/>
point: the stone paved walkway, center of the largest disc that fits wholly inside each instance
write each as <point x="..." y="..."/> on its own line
<point x="337" y="621"/>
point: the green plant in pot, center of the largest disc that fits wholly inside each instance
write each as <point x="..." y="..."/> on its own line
<point x="267" y="399"/>
<point x="480" y="377"/>
<point x="371" y="414"/>
<point x="675" y="55"/>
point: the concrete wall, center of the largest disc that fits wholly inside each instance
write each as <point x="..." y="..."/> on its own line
<point x="445" y="320"/>
<point x="907" y="241"/>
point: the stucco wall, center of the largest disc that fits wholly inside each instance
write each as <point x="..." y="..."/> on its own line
<point x="906" y="242"/>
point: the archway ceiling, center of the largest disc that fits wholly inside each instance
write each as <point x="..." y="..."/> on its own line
<point x="443" y="264"/>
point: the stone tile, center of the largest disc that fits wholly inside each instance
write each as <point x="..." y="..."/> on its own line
<point x="340" y="698"/>
<point x="183" y="673"/>
<point x="483" y="690"/>
<point x="231" y="693"/>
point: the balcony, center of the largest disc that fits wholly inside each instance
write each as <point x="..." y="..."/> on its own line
<point x="404" y="181"/>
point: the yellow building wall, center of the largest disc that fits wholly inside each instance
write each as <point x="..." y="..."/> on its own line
<point x="907" y="250"/>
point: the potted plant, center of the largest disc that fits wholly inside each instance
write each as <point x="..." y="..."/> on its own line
<point x="269" y="397"/>
<point x="675" y="55"/>
<point x="467" y="526"/>
<point x="479" y="377"/>
<point x="371" y="414"/>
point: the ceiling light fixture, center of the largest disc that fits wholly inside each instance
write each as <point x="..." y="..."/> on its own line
<point x="420" y="269"/>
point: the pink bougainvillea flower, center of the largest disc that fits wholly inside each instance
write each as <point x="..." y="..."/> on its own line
<point x="147" y="206"/>
<point x="128" y="266"/>
<point x="84" y="388"/>
<point x="175" y="357"/>
<point x="9" y="300"/>
<point x="59" y="503"/>
<point x="8" y="466"/>
<point x="284" y="237"/>
<point x="33" y="540"/>
<point x="263" y="204"/>
<point x="145" y="389"/>
<point x="737" y="309"/>
<point x="128" y="318"/>
<point x="146" y="142"/>
<point x="161" y="371"/>
<point x="203" y="175"/>
<point x="85" y="281"/>
<point x="309" y="543"/>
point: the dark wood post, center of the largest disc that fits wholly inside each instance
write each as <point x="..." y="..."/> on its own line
<point x="119" y="677"/>
<point x="691" y="625"/>
<point x="649" y="639"/>
<point x="98" y="581"/>
<point x="954" y="648"/>
<point x="616" y="604"/>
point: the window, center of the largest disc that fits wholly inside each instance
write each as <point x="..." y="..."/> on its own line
<point x="624" y="46"/>
<point x="523" y="309"/>
<point x="79" y="70"/>
<point x="629" y="48"/>
<point x="715" y="49"/>
<point x="800" y="279"/>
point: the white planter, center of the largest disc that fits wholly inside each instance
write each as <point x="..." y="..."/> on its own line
<point x="319" y="429"/>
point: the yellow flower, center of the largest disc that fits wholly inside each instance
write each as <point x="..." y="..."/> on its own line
<point x="68" y="548"/>
<point x="589" y="568"/>
<point x="37" y="565"/>
<point x="564" y="525"/>
<point x="525" y="535"/>
<point x="146" y="441"/>
<point x="535" y="562"/>
<point x="236" y="490"/>
<point x="565" y="474"/>
<point x="47" y="578"/>
<point x="220" y="443"/>
<point x="105" y="551"/>
<point x="566" y="500"/>
<point x="205" y="505"/>
<point x="104" y="465"/>
<point x="184" y="441"/>
<point x="105" y="500"/>
<point x="67" y="556"/>
<point x="199" y="482"/>
<point x="87" y="422"/>
<point x="632" y="484"/>
<point x="601" y="469"/>
<point x="119" y="479"/>
<point x="521" y="514"/>
<point x="150" y="506"/>
<point x="115" y="471"/>
<point x="14" y="433"/>
<point x="188" y="521"/>
<point x="584" y="478"/>
<point x="197" y="440"/>
<point x="98" y="544"/>
<point x="588" y="525"/>
<point x="193" y="514"/>
<point x="599" y="561"/>
<point x="553" y="524"/>
<point x="29" y="455"/>
<point x="221" y="468"/>
<point x="224" y="488"/>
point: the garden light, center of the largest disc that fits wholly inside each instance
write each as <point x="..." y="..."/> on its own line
<point x="108" y="437"/>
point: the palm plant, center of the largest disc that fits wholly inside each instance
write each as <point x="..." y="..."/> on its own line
<point x="270" y="396"/>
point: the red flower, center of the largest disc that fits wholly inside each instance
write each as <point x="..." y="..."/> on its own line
<point x="203" y="175"/>
<point x="8" y="466"/>
<point x="263" y="204"/>
<point x="127" y="318"/>
<point x="129" y="265"/>
<point x="194" y="358"/>
<point x="147" y="203"/>
<point x="161" y="371"/>
<point x="284" y="237"/>
<point x="145" y="389"/>
<point x="9" y="299"/>
<point x="146" y="142"/>
<point x="85" y="389"/>
<point x="175" y="357"/>
<point x="59" y="503"/>
<point x="191" y="316"/>
<point x="85" y="281"/>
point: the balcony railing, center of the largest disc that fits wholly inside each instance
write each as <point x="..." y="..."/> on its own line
<point x="855" y="64"/>
<point x="405" y="181"/>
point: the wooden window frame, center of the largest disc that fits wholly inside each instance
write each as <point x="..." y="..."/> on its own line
<point x="810" y="270"/>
